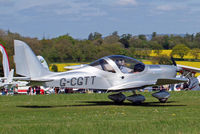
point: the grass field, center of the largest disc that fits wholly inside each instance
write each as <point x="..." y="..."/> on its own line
<point x="95" y="114"/>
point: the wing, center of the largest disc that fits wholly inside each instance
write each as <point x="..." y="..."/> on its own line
<point x="33" y="82"/>
<point x="133" y="85"/>
<point x="143" y="84"/>
<point x="171" y="81"/>
<point x="189" y="68"/>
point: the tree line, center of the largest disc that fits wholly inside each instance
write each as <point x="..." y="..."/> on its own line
<point x="68" y="49"/>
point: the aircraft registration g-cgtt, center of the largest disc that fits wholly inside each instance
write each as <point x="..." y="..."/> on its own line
<point x="112" y="73"/>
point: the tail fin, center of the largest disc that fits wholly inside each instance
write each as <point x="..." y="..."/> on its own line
<point x="27" y="63"/>
<point x="5" y="62"/>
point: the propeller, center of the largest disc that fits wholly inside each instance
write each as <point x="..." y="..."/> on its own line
<point x="178" y="69"/>
<point x="173" y="61"/>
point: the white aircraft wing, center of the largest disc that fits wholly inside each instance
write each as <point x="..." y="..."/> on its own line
<point x="188" y="68"/>
<point x="142" y="84"/>
<point x="171" y="81"/>
<point x="21" y="78"/>
<point x="38" y="82"/>
<point x="34" y="80"/>
<point x="133" y="85"/>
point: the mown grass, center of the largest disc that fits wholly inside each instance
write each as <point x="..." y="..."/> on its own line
<point x="94" y="113"/>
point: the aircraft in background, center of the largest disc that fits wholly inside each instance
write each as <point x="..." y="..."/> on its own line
<point x="115" y="73"/>
<point x="7" y="81"/>
<point x="5" y="61"/>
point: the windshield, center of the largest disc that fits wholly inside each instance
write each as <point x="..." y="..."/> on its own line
<point x="127" y="64"/>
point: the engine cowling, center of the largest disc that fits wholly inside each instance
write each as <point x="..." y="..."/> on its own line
<point x="137" y="98"/>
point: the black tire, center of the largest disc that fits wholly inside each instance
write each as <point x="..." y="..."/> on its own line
<point x="163" y="100"/>
<point x="118" y="102"/>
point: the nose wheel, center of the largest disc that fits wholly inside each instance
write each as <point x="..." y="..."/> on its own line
<point x="162" y="96"/>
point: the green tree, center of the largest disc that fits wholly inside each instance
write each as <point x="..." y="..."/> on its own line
<point x="115" y="33"/>
<point x="154" y="35"/>
<point x="91" y="36"/>
<point x="124" y="39"/>
<point x="157" y="48"/>
<point x="195" y="52"/>
<point x="162" y="59"/>
<point x="97" y="35"/>
<point x="111" y="39"/>
<point x="180" y="50"/>
<point x="142" y="37"/>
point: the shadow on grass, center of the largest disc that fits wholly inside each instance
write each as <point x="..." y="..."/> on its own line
<point x="108" y="103"/>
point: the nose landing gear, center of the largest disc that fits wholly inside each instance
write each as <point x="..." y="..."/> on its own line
<point x="162" y="96"/>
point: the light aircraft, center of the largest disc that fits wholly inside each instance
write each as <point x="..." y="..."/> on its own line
<point x="7" y="81"/>
<point x="115" y="73"/>
<point x="5" y="61"/>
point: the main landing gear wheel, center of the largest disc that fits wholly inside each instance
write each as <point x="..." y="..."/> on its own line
<point x="117" y="98"/>
<point x="163" y="100"/>
<point x="162" y="96"/>
<point x="136" y="98"/>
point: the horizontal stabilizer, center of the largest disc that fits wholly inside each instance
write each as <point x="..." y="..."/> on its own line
<point x="171" y="81"/>
<point x="40" y="82"/>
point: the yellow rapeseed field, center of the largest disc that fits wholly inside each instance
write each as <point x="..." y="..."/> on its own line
<point x="168" y="52"/>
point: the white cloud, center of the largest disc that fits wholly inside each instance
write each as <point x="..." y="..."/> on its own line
<point x="51" y="7"/>
<point x="171" y="7"/>
<point x="165" y="8"/>
<point x="127" y="2"/>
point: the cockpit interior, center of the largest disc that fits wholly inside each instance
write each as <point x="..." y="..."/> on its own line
<point x="123" y="63"/>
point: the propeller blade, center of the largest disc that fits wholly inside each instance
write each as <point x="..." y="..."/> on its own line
<point x="173" y="61"/>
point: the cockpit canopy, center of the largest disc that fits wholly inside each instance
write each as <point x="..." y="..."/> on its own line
<point x="123" y="63"/>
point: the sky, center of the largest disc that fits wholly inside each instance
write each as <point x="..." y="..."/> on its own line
<point x="78" y="18"/>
